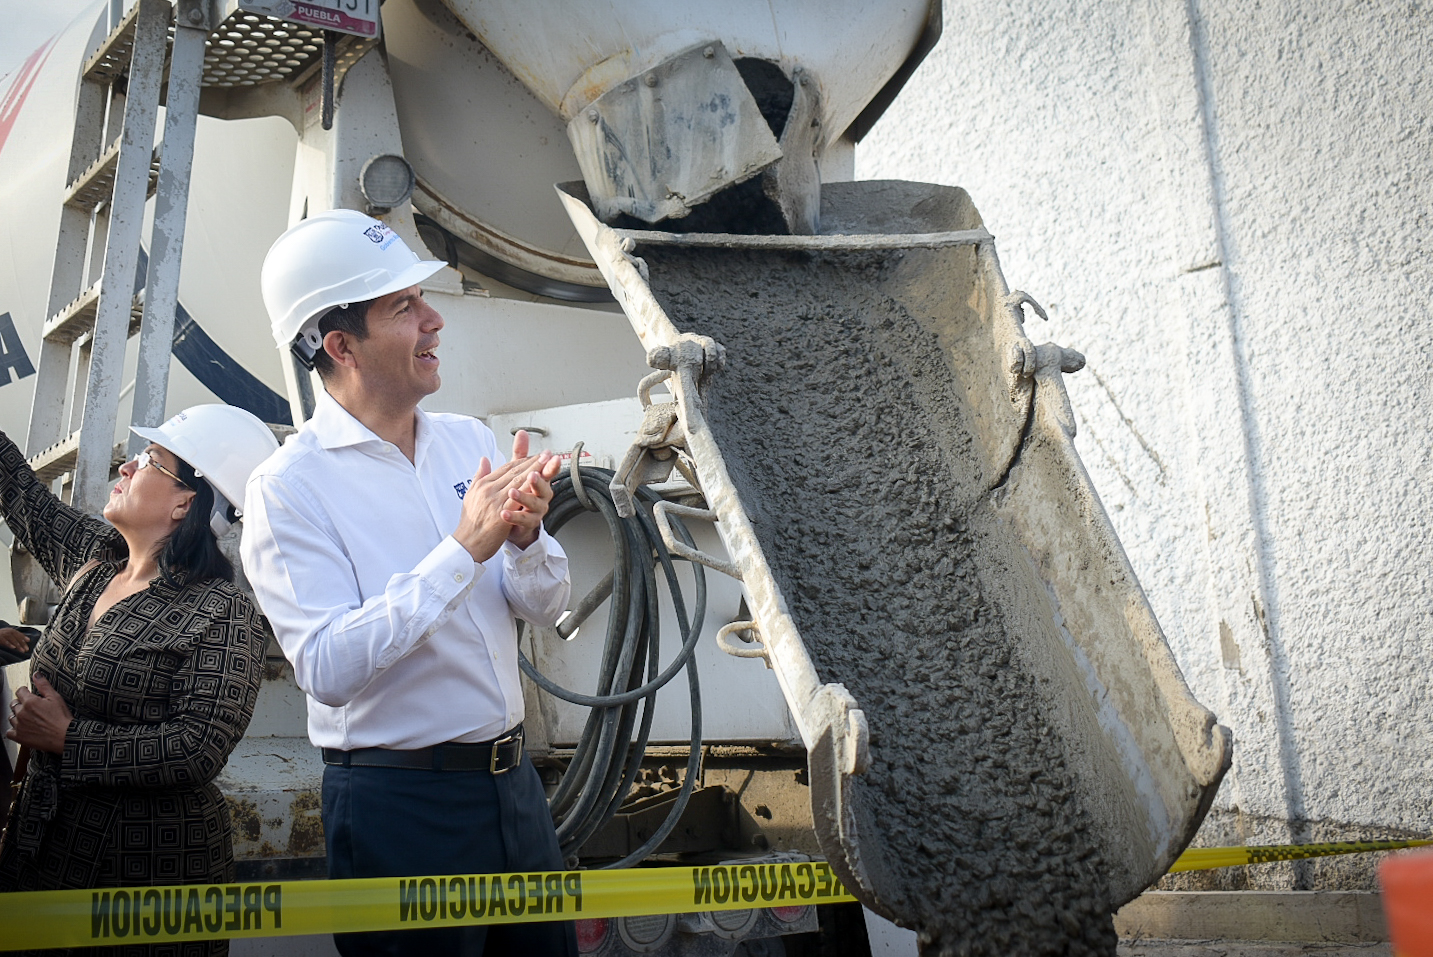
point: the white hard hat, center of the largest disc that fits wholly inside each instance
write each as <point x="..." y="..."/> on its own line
<point x="223" y="445"/>
<point x="333" y="259"/>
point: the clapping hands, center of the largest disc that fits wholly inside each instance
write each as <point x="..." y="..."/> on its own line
<point x="507" y="503"/>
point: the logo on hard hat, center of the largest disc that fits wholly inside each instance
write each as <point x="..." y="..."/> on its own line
<point x="381" y="235"/>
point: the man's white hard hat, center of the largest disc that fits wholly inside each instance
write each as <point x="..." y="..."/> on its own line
<point x="223" y="445"/>
<point x="333" y="259"/>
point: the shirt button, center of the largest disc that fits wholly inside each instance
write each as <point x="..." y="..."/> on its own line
<point x="457" y="576"/>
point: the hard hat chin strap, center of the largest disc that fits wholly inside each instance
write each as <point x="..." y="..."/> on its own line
<point x="222" y="515"/>
<point x="303" y="352"/>
<point x="306" y="345"/>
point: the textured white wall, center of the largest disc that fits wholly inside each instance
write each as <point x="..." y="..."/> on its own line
<point x="1226" y="206"/>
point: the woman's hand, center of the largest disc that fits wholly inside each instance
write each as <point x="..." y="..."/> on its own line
<point x="40" y="718"/>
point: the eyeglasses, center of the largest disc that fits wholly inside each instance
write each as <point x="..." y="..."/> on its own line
<point x="144" y="460"/>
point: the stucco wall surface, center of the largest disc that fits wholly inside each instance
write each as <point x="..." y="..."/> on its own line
<point x="1226" y="206"/>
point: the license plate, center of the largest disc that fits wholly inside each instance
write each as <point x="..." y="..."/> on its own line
<point x="359" y="17"/>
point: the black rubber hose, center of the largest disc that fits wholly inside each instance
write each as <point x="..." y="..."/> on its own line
<point x="620" y="621"/>
<point x="627" y="617"/>
<point x="604" y="781"/>
<point x="688" y="646"/>
<point x="617" y="794"/>
<point x="613" y="724"/>
<point x="608" y="756"/>
<point x="693" y="770"/>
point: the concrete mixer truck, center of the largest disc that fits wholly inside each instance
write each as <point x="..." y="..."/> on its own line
<point x="842" y="587"/>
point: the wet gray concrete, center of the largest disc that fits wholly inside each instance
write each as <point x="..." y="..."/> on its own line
<point x="872" y="512"/>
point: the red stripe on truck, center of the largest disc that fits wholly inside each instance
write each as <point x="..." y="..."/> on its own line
<point x="14" y="97"/>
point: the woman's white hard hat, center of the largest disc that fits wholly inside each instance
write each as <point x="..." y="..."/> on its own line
<point x="223" y="445"/>
<point x="333" y="259"/>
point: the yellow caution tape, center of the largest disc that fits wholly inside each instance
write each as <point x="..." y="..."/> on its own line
<point x="123" y="915"/>
<point x="1208" y="858"/>
<point x="80" y="918"/>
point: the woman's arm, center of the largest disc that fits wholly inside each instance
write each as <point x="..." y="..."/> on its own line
<point x="215" y="691"/>
<point x="61" y="538"/>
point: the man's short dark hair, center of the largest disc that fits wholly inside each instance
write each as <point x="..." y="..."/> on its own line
<point x="351" y="319"/>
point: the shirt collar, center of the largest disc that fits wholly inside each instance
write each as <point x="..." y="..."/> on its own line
<point x="422" y="435"/>
<point x="335" y="427"/>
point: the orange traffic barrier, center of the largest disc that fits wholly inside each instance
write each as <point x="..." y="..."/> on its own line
<point x="1407" y="882"/>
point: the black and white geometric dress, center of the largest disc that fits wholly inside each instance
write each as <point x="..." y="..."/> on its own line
<point x="161" y="689"/>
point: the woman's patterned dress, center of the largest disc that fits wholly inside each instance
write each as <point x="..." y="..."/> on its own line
<point x="161" y="689"/>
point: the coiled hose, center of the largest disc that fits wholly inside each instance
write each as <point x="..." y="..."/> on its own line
<point x="608" y="756"/>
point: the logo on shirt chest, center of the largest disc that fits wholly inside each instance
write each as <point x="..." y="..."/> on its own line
<point x="462" y="488"/>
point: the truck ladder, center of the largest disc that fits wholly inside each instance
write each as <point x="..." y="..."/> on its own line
<point x="96" y="301"/>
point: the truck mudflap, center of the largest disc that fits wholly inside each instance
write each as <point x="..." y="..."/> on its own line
<point x="1001" y="746"/>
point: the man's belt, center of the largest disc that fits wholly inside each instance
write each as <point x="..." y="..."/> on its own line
<point x="498" y="756"/>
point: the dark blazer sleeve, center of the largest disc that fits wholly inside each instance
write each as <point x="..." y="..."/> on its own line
<point x="212" y="701"/>
<point x="61" y="538"/>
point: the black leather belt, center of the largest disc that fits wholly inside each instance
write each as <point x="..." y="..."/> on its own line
<point x="498" y="756"/>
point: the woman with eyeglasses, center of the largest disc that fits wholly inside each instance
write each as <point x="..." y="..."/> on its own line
<point x="146" y="677"/>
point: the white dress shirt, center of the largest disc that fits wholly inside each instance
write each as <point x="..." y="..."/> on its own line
<point x="398" y="637"/>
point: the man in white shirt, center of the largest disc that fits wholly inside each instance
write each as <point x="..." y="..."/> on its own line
<point x="390" y="549"/>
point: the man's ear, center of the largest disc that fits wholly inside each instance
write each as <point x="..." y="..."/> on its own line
<point x="338" y="345"/>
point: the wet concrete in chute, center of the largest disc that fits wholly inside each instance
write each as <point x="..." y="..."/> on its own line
<point x="872" y="511"/>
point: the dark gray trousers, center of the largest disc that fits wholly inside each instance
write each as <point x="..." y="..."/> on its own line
<point x="400" y="822"/>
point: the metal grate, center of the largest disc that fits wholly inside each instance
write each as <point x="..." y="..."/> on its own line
<point x="248" y="49"/>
